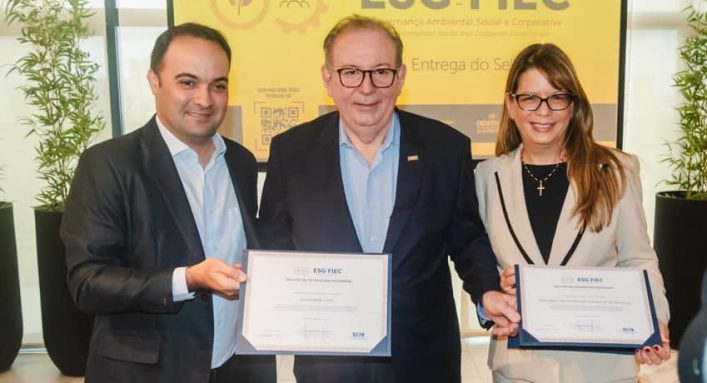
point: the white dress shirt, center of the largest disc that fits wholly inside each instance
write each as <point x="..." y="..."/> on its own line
<point x="213" y="202"/>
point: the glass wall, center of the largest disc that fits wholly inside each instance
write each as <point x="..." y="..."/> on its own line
<point x="141" y="21"/>
<point x="17" y="155"/>
<point x="140" y="24"/>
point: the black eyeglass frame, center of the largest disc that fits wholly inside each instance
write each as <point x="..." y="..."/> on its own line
<point x="546" y="100"/>
<point x="370" y="75"/>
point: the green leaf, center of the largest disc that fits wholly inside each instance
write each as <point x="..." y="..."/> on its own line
<point x="60" y="86"/>
<point x="687" y="156"/>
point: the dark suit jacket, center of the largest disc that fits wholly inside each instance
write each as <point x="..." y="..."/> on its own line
<point x="693" y="346"/>
<point x="126" y="227"/>
<point x="304" y="207"/>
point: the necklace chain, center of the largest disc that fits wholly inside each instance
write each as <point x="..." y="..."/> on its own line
<point x="540" y="182"/>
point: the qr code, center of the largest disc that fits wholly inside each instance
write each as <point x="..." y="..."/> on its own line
<point x="274" y="120"/>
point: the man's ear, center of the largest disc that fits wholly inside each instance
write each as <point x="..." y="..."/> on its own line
<point x="402" y="72"/>
<point x="327" y="74"/>
<point x="154" y="80"/>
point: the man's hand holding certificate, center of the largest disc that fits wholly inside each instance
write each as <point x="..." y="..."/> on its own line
<point x="585" y="308"/>
<point x="315" y="303"/>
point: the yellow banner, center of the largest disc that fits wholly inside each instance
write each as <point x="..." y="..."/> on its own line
<point x="457" y="53"/>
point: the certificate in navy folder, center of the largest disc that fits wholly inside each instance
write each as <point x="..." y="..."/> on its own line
<point x="585" y="309"/>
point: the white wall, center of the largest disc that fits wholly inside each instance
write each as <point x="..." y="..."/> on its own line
<point x="656" y="30"/>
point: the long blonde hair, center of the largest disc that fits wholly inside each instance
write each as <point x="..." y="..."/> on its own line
<point x="594" y="170"/>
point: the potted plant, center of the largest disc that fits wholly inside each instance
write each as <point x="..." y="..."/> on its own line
<point x="10" y="307"/>
<point x="680" y="236"/>
<point x="60" y="80"/>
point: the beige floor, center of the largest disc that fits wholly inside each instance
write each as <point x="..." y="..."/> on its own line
<point x="37" y="368"/>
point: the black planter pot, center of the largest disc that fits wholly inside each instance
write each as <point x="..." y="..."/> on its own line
<point x="10" y="306"/>
<point x="680" y="240"/>
<point x="66" y="330"/>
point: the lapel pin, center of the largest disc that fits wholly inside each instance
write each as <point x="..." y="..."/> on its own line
<point x="414" y="157"/>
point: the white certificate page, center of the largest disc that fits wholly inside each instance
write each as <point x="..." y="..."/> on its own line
<point x="585" y="305"/>
<point x="315" y="302"/>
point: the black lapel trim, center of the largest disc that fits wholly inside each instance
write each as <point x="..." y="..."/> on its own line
<point x="508" y="222"/>
<point x="570" y="252"/>
<point x="160" y="165"/>
<point x="408" y="185"/>
<point x="574" y="245"/>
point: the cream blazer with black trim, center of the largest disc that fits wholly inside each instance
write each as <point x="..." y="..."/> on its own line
<point x="624" y="243"/>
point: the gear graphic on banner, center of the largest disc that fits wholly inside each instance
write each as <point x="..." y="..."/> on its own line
<point x="300" y="14"/>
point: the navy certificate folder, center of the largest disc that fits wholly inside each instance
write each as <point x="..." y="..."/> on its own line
<point x="526" y="340"/>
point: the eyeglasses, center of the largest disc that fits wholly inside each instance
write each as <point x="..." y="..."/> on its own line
<point x="380" y="78"/>
<point x="531" y="102"/>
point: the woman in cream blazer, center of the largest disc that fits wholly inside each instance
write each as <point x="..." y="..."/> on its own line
<point x="544" y="140"/>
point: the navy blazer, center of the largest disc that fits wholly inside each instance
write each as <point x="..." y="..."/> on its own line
<point x="435" y="215"/>
<point x="126" y="227"/>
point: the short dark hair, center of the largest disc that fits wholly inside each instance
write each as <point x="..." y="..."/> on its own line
<point x="187" y="29"/>
<point x="363" y="22"/>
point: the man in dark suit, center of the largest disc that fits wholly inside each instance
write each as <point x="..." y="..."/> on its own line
<point x="155" y="225"/>
<point x="372" y="178"/>
<point x="692" y="359"/>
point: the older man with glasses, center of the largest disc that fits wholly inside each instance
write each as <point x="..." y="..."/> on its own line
<point x="371" y="178"/>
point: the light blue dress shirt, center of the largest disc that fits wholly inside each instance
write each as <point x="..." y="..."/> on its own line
<point x="370" y="190"/>
<point x="214" y="205"/>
